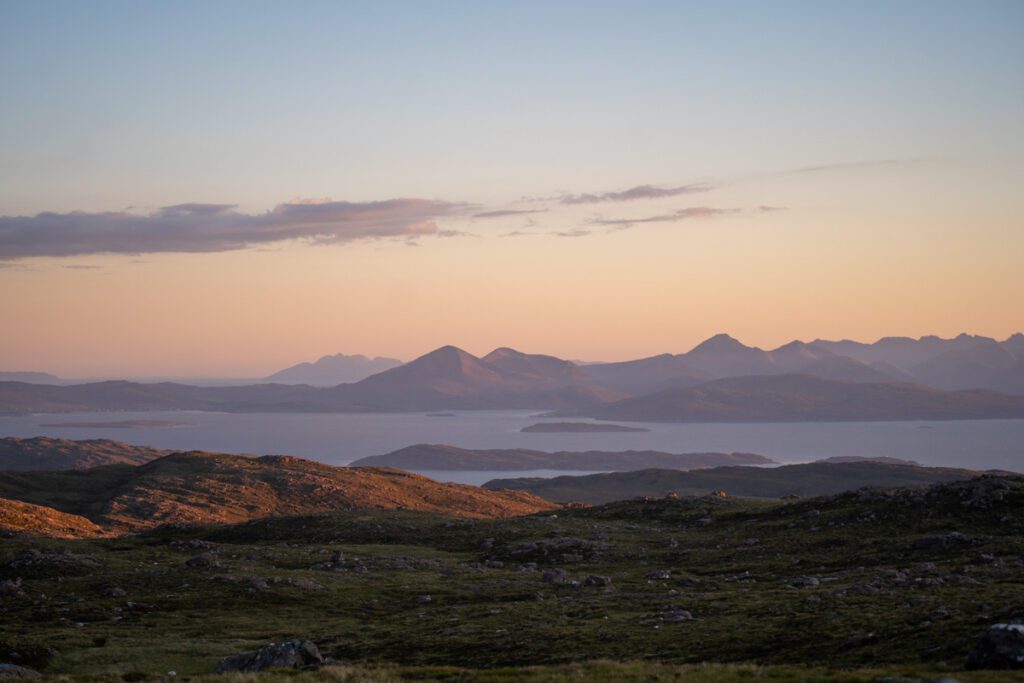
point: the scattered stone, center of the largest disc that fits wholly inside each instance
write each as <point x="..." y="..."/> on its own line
<point x="676" y="615"/>
<point x="596" y="580"/>
<point x="423" y="599"/>
<point x="205" y="560"/>
<point x="804" y="582"/>
<point x="554" y="576"/>
<point x="658" y="575"/>
<point x="1000" y="647"/>
<point x="115" y="592"/>
<point x="13" y="672"/>
<point x="11" y="588"/>
<point x="290" y="654"/>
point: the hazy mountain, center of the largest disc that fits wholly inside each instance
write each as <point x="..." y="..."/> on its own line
<point x="798" y="398"/>
<point x="442" y="457"/>
<point x="45" y="453"/>
<point x="451" y="378"/>
<point x="33" y="377"/>
<point x="812" y="479"/>
<point x="647" y="375"/>
<point x="724" y="356"/>
<point x="988" y="364"/>
<point x="901" y="352"/>
<point x="207" y="488"/>
<point x="332" y="370"/>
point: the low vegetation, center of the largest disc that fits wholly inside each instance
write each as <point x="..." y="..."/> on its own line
<point x="872" y="585"/>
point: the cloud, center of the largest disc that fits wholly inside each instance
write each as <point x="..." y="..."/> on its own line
<point x="770" y="209"/>
<point x="680" y="215"/>
<point x="216" y="227"/>
<point x="573" y="233"/>
<point x="638" y="192"/>
<point x="79" y="266"/>
<point x="518" y="233"/>
<point x="507" y="212"/>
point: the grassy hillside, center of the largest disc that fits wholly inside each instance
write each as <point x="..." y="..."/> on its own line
<point x="899" y="582"/>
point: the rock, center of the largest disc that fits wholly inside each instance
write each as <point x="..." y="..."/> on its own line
<point x="115" y="592"/>
<point x="11" y="588"/>
<point x="203" y="560"/>
<point x="676" y="615"/>
<point x="290" y="654"/>
<point x="423" y="599"/>
<point x="658" y="575"/>
<point x="11" y="672"/>
<point x="804" y="582"/>
<point x="35" y="564"/>
<point x="554" y="576"/>
<point x="598" y="581"/>
<point x="1000" y="647"/>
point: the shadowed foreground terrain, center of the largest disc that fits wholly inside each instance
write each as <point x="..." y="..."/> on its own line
<point x="809" y="479"/>
<point x="900" y="581"/>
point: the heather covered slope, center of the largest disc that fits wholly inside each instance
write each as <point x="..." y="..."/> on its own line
<point x="46" y="453"/>
<point x="442" y="457"/>
<point x="811" y="479"/>
<point x="207" y="488"/>
<point x="900" y="581"/>
<point x="18" y="518"/>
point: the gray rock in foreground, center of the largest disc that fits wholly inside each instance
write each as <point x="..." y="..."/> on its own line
<point x="290" y="654"/>
<point x="1000" y="647"/>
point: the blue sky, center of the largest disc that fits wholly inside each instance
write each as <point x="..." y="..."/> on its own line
<point x="109" y="104"/>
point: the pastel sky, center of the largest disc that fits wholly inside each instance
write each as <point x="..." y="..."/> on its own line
<point x="226" y="188"/>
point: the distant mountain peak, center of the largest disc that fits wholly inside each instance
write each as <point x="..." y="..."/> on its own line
<point x="721" y="342"/>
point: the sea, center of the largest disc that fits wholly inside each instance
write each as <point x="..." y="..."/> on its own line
<point x="338" y="439"/>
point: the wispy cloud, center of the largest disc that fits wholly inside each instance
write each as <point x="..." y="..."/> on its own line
<point x="518" y="233"/>
<point x="502" y="213"/>
<point x="680" y="215"/>
<point x="573" y="233"/>
<point x="635" y="193"/>
<point x="217" y="227"/>
<point x="851" y="165"/>
<point x="80" y="266"/>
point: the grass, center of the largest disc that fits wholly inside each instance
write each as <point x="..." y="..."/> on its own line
<point x="884" y="605"/>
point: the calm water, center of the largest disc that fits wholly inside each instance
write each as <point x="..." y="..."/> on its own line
<point x="339" y="439"/>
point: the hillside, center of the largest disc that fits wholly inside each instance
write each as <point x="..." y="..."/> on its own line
<point x="873" y="585"/>
<point x="803" y="398"/>
<point x="46" y="453"/>
<point x="25" y="519"/>
<point x="811" y="479"/>
<point x="208" y="488"/>
<point x="441" y="457"/>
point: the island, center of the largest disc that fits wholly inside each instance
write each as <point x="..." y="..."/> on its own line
<point x="578" y="427"/>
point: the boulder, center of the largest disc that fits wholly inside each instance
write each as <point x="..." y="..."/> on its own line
<point x="11" y="672"/>
<point x="289" y="654"/>
<point x="1000" y="647"/>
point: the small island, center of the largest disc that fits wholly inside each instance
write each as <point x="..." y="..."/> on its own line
<point x="578" y="427"/>
<point x="118" y="424"/>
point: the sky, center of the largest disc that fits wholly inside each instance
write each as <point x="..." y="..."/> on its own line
<point x="225" y="189"/>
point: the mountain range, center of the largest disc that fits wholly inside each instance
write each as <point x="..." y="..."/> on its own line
<point x="720" y="379"/>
